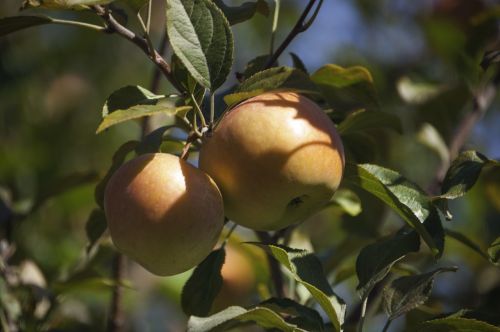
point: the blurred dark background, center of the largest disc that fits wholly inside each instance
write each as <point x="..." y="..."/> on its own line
<point x="424" y="57"/>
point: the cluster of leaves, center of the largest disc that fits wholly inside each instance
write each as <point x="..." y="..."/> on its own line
<point x="202" y="42"/>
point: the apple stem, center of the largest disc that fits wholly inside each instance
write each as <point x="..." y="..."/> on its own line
<point x="212" y="109"/>
<point x="228" y="235"/>
<point x="199" y="112"/>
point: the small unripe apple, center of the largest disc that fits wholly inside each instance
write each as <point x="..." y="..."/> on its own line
<point x="277" y="158"/>
<point x="164" y="213"/>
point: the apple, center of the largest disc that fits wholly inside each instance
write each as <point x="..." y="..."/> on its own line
<point x="164" y="213"/>
<point x="239" y="280"/>
<point x="277" y="158"/>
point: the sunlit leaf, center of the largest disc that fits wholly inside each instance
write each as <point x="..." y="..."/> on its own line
<point x="278" y="78"/>
<point x="403" y="196"/>
<point x="307" y="270"/>
<point x="204" y="284"/>
<point x="202" y="39"/>
<point x="375" y="260"/>
<point x="234" y="316"/>
<point x="243" y="12"/>
<point x="455" y="325"/>
<point x="15" y="23"/>
<point x="430" y="137"/>
<point x="133" y="102"/>
<point x="417" y="92"/>
<point x="63" y="4"/>
<point x="407" y="293"/>
<point x="348" y="200"/>
<point x="346" y="89"/>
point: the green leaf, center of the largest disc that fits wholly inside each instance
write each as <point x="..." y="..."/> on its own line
<point x="118" y="159"/>
<point x="64" y="184"/>
<point x="403" y="196"/>
<point x="362" y="120"/>
<point x="15" y="23"/>
<point x="95" y="227"/>
<point x="233" y="316"/>
<point x="129" y="96"/>
<point x="455" y="325"/>
<point x="305" y="317"/>
<point x="133" y="102"/>
<point x="407" y="293"/>
<point x="494" y="251"/>
<point x="244" y="12"/>
<point x="306" y="268"/>
<point x="277" y="78"/>
<point x="413" y="92"/>
<point x="346" y="89"/>
<point x="152" y="142"/>
<point x="467" y="242"/>
<point x="136" y="5"/>
<point x="204" y="284"/>
<point x="202" y="39"/>
<point x="462" y="174"/>
<point x="492" y="56"/>
<point x="63" y="4"/>
<point x="348" y="201"/>
<point x="297" y="63"/>
<point x="376" y="260"/>
<point x="255" y="65"/>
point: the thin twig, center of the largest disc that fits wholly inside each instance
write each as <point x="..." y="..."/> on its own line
<point x="299" y="27"/>
<point x="113" y="26"/>
<point x="274" y="266"/>
<point x="155" y="85"/>
<point x="480" y="104"/>
<point x="115" y="318"/>
<point x="79" y="24"/>
<point x="387" y="324"/>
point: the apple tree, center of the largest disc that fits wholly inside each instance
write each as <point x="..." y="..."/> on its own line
<point x="192" y="165"/>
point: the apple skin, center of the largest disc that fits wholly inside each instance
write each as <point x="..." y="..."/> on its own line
<point x="277" y="159"/>
<point x="239" y="280"/>
<point x="164" y="213"/>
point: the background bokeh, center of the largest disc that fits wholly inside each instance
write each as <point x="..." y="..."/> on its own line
<point x="424" y="57"/>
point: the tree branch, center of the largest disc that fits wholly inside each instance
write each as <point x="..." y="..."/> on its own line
<point x="115" y="318"/>
<point x="299" y="27"/>
<point x="113" y="26"/>
<point x="480" y="103"/>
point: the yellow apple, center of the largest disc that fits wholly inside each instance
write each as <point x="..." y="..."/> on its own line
<point x="164" y="213"/>
<point x="277" y="158"/>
